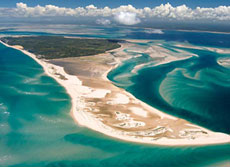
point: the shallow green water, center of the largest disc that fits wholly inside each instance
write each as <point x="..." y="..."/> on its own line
<point x="37" y="130"/>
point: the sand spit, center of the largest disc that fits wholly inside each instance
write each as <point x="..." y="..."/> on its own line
<point x="103" y="107"/>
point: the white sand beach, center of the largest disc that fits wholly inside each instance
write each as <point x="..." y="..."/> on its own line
<point x="80" y="93"/>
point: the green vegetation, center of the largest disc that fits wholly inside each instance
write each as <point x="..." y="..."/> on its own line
<point x="50" y="47"/>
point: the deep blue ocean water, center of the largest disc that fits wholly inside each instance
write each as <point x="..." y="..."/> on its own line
<point x="37" y="129"/>
<point x="197" y="38"/>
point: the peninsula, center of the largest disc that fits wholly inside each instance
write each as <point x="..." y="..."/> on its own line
<point x="82" y="65"/>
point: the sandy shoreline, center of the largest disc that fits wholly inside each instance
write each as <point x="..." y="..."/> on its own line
<point x="80" y="93"/>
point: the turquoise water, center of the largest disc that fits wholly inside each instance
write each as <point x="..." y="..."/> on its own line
<point x="37" y="129"/>
<point x="197" y="89"/>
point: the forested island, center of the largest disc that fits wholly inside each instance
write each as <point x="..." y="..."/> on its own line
<point x="53" y="47"/>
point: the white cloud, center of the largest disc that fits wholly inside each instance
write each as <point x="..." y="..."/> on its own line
<point x="154" y="31"/>
<point x="127" y="18"/>
<point x="126" y="14"/>
<point x="103" y="21"/>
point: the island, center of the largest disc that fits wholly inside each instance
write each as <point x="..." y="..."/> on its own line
<point x="81" y="65"/>
<point x="51" y="47"/>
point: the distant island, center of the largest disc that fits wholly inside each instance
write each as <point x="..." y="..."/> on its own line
<point x="53" y="47"/>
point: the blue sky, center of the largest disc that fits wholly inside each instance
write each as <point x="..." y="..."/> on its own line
<point x="139" y="12"/>
<point x="116" y="3"/>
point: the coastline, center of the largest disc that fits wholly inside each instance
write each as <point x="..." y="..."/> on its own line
<point x="77" y="91"/>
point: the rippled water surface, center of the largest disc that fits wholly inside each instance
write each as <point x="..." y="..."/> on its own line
<point x="197" y="89"/>
<point x="36" y="128"/>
